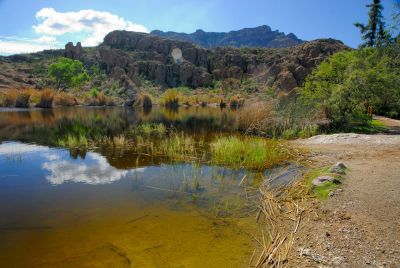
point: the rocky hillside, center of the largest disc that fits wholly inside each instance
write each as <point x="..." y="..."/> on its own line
<point x="261" y="36"/>
<point x="126" y="58"/>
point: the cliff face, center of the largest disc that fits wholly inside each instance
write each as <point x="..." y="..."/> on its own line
<point x="261" y="36"/>
<point x="132" y="54"/>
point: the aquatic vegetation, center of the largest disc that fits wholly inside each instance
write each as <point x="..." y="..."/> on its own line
<point x="72" y="141"/>
<point x="148" y="129"/>
<point x="46" y="99"/>
<point x="247" y="152"/>
<point x="178" y="146"/>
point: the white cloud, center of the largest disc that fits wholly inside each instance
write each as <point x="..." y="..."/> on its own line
<point x="94" y="23"/>
<point x="15" y="47"/>
<point x="47" y="39"/>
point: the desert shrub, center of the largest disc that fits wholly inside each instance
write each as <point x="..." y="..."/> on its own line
<point x="8" y="98"/>
<point x="46" y="99"/>
<point x="94" y="92"/>
<point x="144" y="100"/>
<point x="101" y="99"/>
<point x="236" y="101"/>
<point x="65" y="99"/>
<point x="172" y="98"/>
<point x="22" y="100"/>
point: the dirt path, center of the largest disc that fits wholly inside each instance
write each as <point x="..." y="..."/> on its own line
<point x="359" y="226"/>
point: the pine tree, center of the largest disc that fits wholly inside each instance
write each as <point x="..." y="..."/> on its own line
<point x="374" y="33"/>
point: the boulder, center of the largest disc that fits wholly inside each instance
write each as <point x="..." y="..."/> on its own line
<point x="286" y="81"/>
<point x="338" y="168"/>
<point x="324" y="179"/>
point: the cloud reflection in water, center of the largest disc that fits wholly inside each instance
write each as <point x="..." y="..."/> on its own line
<point x="94" y="169"/>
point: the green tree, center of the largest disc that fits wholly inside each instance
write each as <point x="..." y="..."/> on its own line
<point x="374" y="33"/>
<point x="68" y="73"/>
<point x="344" y="86"/>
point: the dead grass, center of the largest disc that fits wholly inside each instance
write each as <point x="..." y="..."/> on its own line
<point x="46" y="98"/>
<point x="64" y="99"/>
<point x="8" y="98"/>
<point x="144" y="100"/>
<point x="22" y="100"/>
<point x="236" y="101"/>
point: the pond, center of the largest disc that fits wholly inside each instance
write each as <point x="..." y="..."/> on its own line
<point x="114" y="204"/>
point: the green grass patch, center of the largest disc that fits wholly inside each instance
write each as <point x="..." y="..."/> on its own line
<point x="374" y="126"/>
<point x="322" y="191"/>
<point x="247" y="152"/>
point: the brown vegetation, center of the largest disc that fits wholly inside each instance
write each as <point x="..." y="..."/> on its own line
<point x="22" y="100"/>
<point x="46" y="99"/>
<point x="144" y="100"/>
<point x="236" y="101"/>
<point x="64" y="99"/>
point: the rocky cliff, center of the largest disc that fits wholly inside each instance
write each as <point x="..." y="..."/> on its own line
<point x="126" y="55"/>
<point x="261" y="36"/>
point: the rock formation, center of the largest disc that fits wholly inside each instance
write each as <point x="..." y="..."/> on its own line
<point x="137" y="54"/>
<point x="74" y="52"/>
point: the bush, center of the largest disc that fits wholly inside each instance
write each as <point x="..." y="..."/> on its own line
<point x="22" y="100"/>
<point x="144" y="100"/>
<point x="350" y="82"/>
<point x="68" y="73"/>
<point x="8" y="99"/>
<point x="101" y="99"/>
<point x="46" y="99"/>
<point x="172" y="98"/>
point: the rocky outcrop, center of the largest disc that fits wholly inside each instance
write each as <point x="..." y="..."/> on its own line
<point x="261" y="36"/>
<point x="172" y="63"/>
<point x="137" y="54"/>
<point x="74" y="52"/>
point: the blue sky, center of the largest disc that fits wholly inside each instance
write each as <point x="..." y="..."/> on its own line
<point x="27" y="26"/>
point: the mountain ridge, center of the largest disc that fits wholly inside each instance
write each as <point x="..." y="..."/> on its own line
<point x="261" y="36"/>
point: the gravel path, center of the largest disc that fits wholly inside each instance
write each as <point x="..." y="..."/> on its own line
<point x="359" y="226"/>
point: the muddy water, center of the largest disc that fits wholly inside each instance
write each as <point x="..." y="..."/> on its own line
<point x="110" y="207"/>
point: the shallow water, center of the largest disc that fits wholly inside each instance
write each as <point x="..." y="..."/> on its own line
<point x="112" y="207"/>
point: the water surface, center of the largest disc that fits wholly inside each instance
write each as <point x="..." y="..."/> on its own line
<point x="113" y="207"/>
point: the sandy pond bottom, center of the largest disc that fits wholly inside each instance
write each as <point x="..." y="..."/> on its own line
<point x="58" y="210"/>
